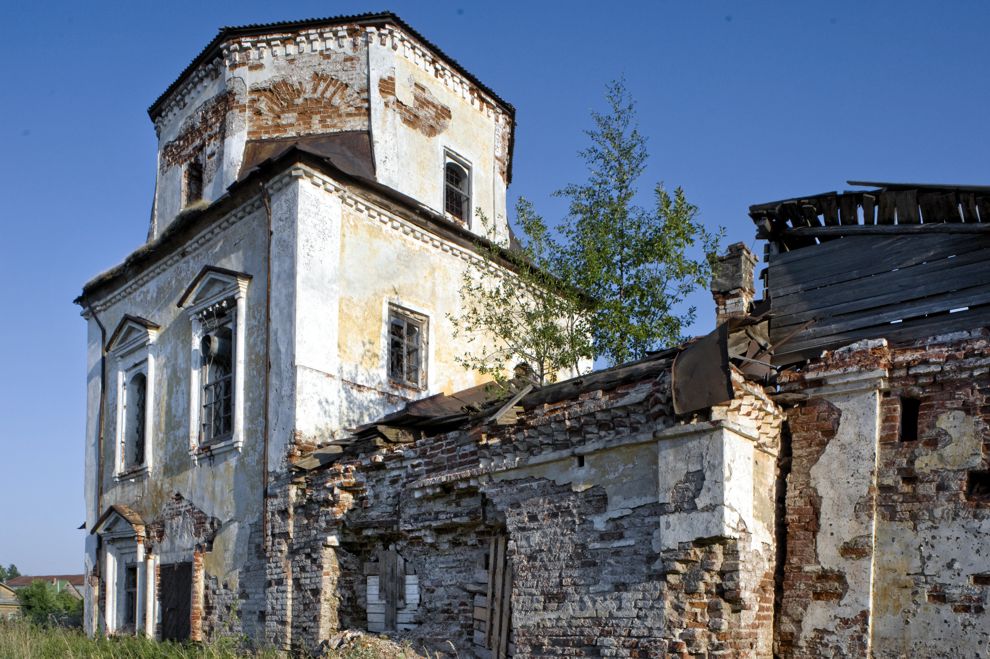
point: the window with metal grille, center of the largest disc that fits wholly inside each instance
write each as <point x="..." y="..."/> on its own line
<point x="457" y="192"/>
<point x="193" y="188"/>
<point x="216" y="348"/>
<point x="406" y="348"/>
<point x="135" y="398"/>
<point x="130" y="596"/>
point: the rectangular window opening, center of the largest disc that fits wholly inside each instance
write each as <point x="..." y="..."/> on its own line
<point x="978" y="486"/>
<point x="406" y="348"/>
<point x="910" y="409"/>
<point x="130" y="596"/>
<point x="193" y="183"/>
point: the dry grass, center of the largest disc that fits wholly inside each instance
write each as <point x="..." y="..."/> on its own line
<point x="22" y="640"/>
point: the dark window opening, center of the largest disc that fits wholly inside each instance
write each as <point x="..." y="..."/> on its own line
<point x="193" y="183"/>
<point x="218" y="390"/>
<point x="978" y="487"/>
<point x="910" y="408"/>
<point x="457" y="197"/>
<point x="134" y="402"/>
<point x="405" y="349"/>
<point x="130" y="596"/>
<point x="579" y="460"/>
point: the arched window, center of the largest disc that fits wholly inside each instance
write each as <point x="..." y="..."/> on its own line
<point x="135" y="400"/>
<point x="457" y="192"/>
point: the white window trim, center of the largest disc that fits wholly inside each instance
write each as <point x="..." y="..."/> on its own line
<point x="124" y="548"/>
<point x="235" y="287"/>
<point x="131" y="357"/>
<point x="417" y="313"/>
<point x="451" y="156"/>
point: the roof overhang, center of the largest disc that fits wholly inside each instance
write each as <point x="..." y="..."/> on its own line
<point x="116" y="519"/>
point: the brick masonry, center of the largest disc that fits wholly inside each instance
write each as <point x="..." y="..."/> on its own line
<point x="590" y="575"/>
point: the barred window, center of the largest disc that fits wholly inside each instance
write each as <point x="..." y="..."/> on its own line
<point x="216" y="348"/>
<point x="457" y="192"/>
<point x="406" y="348"/>
<point x="130" y="597"/>
<point x="135" y="399"/>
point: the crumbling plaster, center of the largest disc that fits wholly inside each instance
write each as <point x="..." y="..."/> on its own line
<point x="291" y="85"/>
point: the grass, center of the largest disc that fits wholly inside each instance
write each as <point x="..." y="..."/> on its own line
<point x="20" y="639"/>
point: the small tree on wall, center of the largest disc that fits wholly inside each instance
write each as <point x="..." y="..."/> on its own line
<point x="523" y="313"/>
<point x="632" y="265"/>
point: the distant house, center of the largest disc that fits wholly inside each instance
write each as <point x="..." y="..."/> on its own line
<point x="10" y="607"/>
<point x="72" y="583"/>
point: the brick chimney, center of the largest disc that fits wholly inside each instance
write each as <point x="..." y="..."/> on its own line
<point x="732" y="282"/>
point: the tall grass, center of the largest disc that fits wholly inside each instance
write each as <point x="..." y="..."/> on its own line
<point x="20" y="639"/>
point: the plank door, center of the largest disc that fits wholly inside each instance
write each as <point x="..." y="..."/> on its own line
<point x="175" y="592"/>
<point x="499" y="613"/>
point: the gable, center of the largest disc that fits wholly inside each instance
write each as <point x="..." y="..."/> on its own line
<point x="212" y="283"/>
<point x="132" y="331"/>
<point x="119" y="520"/>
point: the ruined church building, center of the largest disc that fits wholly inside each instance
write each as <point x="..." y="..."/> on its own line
<point x="280" y="443"/>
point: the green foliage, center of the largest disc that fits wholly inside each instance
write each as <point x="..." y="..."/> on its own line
<point x="43" y="604"/>
<point x="634" y="261"/>
<point x="9" y="572"/>
<point x="522" y="314"/>
<point x="633" y="266"/>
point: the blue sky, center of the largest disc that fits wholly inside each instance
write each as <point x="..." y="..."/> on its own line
<point x="743" y="102"/>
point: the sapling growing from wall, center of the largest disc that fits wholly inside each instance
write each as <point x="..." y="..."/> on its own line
<point x="608" y="282"/>
<point x="522" y="313"/>
<point x="635" y="262"/>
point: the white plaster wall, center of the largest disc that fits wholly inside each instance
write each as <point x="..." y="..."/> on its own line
<point x="385" y="260"/>
<point x="229" y="486"/>
<point x="844" y="478"/>
<point x="317" y="291"/>
<point x="412" y="162"/>
<point x="942" y="553"/>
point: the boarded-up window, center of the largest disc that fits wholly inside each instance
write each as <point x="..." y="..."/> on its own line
<point x="175" y="593"/>
<point x="393" y="595"/>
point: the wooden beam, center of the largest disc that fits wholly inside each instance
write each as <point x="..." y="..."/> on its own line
<point x="880" y="229"/>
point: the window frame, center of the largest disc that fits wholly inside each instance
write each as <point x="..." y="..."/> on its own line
<point x="187" y="188"/>
<point x="132" y="348"/>
<point x="452" y="158"/>
<point x="216" y="286"/>
<point x="420" y="320"/>
<point x="124" y="549"/>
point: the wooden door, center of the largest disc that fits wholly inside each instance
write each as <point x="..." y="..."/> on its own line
<point x="499" y="613"/>
<point x="175" y="593"/>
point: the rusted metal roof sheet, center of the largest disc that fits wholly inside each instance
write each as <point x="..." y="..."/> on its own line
<point x="349" y="151"/>
<point x="700" y="374"/>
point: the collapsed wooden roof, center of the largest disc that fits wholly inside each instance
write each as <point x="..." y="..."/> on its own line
<point x="901" y="261"/>
<point x="886" y="208"/>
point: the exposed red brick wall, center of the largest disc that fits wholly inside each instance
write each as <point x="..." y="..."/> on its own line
<point x="427" y="114"/>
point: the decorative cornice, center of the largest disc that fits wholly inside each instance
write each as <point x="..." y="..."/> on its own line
<point x="241" y="51"/>
<point x="192" y="247"/>
<point x="370" y="209"/>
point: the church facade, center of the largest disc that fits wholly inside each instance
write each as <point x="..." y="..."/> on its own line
<point x="281" y="443"/>
<point x="320" y="192"/>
